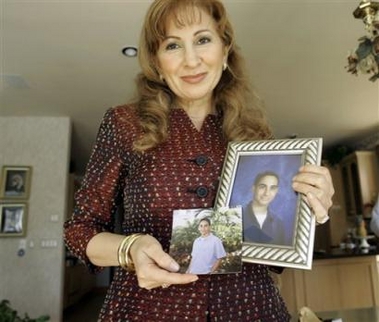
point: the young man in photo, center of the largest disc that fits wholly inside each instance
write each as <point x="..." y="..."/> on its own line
<point x="260" y="224"/>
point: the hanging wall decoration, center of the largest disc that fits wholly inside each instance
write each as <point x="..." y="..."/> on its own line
<point x="365" y="58"/>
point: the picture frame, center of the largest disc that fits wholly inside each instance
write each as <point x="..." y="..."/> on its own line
<point x="252" y="167"/>
<point x="13" y="219"/>
<point x="15" y="182"/>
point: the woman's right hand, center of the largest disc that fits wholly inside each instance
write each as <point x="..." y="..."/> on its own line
<point x="155" y="268"/>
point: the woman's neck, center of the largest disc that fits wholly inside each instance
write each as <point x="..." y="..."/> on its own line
<point x="198" y="111"/>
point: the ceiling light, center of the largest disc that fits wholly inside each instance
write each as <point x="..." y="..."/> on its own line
<point x="129" y="51"/>
<point x="292" y="136"/>
<point x="365" y="58"/>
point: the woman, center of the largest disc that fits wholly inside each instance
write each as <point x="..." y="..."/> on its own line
<point x="165" y="152"/>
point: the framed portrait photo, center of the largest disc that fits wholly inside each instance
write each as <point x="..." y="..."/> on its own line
<point x="278" y="225"/>
<point x="13" y="219"/>
<point x="15" y="182"/>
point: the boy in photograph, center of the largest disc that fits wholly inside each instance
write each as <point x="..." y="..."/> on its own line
<point x="260" y="224"/>
<point x="207" y="251"/>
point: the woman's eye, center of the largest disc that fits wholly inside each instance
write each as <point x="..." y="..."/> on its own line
<point x="172" y="46"/>
<point x="204" y="40"/>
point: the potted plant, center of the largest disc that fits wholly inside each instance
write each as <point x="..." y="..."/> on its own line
<point x="7" y="314"/>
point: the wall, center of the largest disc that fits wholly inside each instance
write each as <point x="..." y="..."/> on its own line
<point x="33" y="283"/>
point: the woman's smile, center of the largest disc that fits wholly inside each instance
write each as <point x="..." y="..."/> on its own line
<point x="194" y="79"/>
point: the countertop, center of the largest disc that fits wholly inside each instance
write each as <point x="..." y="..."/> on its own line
<point x="355" y="315"/>
<point x="342" y="253"/>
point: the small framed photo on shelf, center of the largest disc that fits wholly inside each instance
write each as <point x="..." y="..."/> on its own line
<point x="15" y="182"/>
<point x="278" y="225"/>
<point x="13" y="219"/>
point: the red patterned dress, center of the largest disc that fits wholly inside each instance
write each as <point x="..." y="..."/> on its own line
<point x="182" y="173"/>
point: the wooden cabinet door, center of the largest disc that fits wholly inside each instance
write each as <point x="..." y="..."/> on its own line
<point x="358" y="285"/>
<point x="332" y="285"/>
<point x="322" y="288"/>
<point x="360" y="175"/>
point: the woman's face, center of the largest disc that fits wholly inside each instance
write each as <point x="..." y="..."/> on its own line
<point x="191" y="59"/>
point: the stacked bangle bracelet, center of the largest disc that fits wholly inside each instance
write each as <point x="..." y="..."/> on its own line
<point x="123" y="251"/>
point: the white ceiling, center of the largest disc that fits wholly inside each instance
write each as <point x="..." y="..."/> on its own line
<point x="63" y="58"/>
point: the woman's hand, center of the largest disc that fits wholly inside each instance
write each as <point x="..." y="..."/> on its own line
<point x="154" y="267"/>
<point x="316" y="184"/>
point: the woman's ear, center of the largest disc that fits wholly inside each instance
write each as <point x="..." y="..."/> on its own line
<point x="157" y="68"/>
<point x="226" y="52"/>
<point x="225" y="60"/>
<point x="224" y="66"/>
<point x="159" y="73"/>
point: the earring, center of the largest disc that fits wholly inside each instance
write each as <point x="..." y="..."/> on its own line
<point x="224" y="66"/>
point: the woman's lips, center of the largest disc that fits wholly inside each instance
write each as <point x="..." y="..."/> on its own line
<point x="193" y="79"/>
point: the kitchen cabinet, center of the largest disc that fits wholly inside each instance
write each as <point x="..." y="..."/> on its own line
<point x="77" y="282"/>
<point x="360" y="177"/>
<point x="333" y="232"/>
<point x="332" y="284"/>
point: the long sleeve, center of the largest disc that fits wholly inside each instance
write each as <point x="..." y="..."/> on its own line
<point x="95" y="201"/>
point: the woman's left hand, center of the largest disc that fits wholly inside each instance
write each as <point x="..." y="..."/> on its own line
<point x="315" y="182"/>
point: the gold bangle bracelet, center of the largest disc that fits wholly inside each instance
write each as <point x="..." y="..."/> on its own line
<point x="120" y="252"/>
<point x="128" y="259"/>
<point x="123" y="251"/>
<point x="122" y="256"/>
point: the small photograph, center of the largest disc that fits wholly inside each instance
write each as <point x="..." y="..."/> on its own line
<point x="15" y="182"/>
<point x="207" y="241"/>
<point x="12" y="220"/>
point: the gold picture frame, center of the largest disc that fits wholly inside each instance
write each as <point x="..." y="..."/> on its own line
<point x="15" y="182"/>
<point x="13" y="219"/>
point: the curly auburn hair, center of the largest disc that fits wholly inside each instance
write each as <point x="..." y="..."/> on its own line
<point x="233" y="98"/>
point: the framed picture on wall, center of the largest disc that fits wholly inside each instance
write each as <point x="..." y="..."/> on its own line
<point x="278" y="225"/>
<point x="13" y="219"/>
<point x="15" y="182"/>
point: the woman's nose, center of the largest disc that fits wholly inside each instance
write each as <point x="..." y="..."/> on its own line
<point x="192" y="57"/>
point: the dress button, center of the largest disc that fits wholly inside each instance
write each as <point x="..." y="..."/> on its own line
<point x="201" y="160"/>
<point x="202" y="191"/>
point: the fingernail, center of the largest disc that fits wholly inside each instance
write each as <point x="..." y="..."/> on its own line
<point x="323" y="220"/>
<point x="174" y="266"/>
<point x="195" y="278"/>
